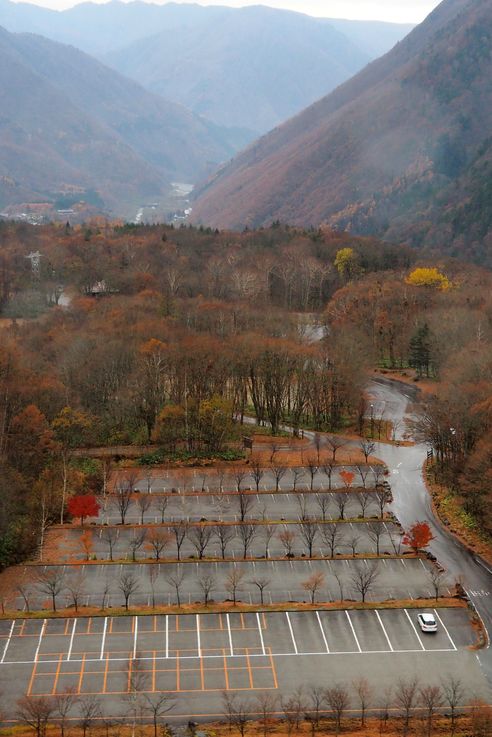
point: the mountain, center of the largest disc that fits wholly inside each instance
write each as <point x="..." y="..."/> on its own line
<point x="403" y="150"/>
<point x="68" y="122"/>
<point x="249" y="68"/>
<point x="253" y="67"/>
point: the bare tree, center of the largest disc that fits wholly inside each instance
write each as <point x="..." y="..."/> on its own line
<point x="90" y="710"/>
<point x="220" y="472"/>
<point x="364" y="499"/>
<point x="375" y="531"/>
<point x="384" y="708"/>
<point x="379" y="473"/>
<point x="364" y="693"/>
<point x="200" y="537"/>
<point x="353" y="542"/>
<point x="302" y="503"/>
<point x="323" y="502"/>
<point x="431" y="699"/>
<point x="313" y="469"/>
<point x="176" y="580"/>
<point x="162" y="505"/>
<point x="454" y="695"/>
<point x="144" y="502"/>
<point x="257" y="472"/>
<point x="268" y="533"/>
<point x="287" y="538"/>
<point x="179" y="530"/>
<point x="224" y="534"/>
<point x="318" y="444"/>
<point x="229" y="699"/>
<point x="105" y="592"/>
<point x="406" y="693"/>
<point x="207" y="585"/>
<point x="261" y="584"/>
<point x="245" y="502"/>
<point x="297" y="474"/>
<point x="233" y="583"/>
<point x="331" y="536"/>
<point x="266" y="705"/>
<point x="136" y="542"/>
<point x="278" y="473"/>
<point x="247" y="533"/>
<point x="274" y="449"/>
<point x="157" y="705"/>
<point x="51" y="582"/>
<point x="363" y="580"/>
<point x="341" y="500"/>
<point x="293" y="708"/>
<point x="239" y="476"/>
<point x="436" y="579"/>
<point x="335" y="443"/>
<point x="363" y="472"/>
<point x="109" y="535"/>
<point x="383" y="497"/>
<point x="76" y="588"/>
<point x="158" y="542"/>
<point x="341" y="585"/>
<point x="122" y="498"/>
<point x="315" y="702"/>
<point x="128" y="585"/>
<point x="339" y="700"/>
<point x="153" y="575"/>
<point x="63" y="704"/>
<point x="328" y="468"/>
<point x="35" y="711"/>
<point x="241" y="716"/>
<point x="24" y="591"/>
<point x="309" y="532"/>
<point x="313" y="584"/>
<point x="367" y="447"/>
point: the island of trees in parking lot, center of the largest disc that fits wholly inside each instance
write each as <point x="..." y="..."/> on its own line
<point x="162" y="337"/>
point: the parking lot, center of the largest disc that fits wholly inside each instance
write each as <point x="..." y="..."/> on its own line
<point x="227" y="506"/>
<point x="221" y="479"/>
<point x="396" y="579"/>
<point x="266" y="541"/>
<point x="197" y="657"/>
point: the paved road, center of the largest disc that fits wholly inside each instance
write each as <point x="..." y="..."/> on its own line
<point x="412" y="502"/>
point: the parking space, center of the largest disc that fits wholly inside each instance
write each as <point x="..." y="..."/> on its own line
<point x="394" y="579"/>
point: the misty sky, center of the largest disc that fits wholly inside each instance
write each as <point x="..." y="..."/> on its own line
<point x="398" y="11"/>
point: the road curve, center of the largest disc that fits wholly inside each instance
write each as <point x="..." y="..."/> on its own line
<point x="412" y="503"/>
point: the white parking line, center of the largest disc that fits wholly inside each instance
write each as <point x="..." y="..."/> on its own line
<point x="135" y="635"/>
<point x="292" y="634"/>
<point x="39" y="641"/>
<point x="69" y="653"/>
<point x="231" y="649"/>
<point x="198" y="641"/>
<point x="322" y="632"/>
<point x="8" y="641"/>
<point x="445" y="630"/>
<point x="384" y="630"/>
<point x="103" y="641"/>
<point x="414" y="629"/>
<point x="261" y="634"/>
<point x="167" y="635"/>
<point x="353" y="631"/>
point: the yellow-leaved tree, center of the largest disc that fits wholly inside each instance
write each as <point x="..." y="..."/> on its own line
<point x="428" y="277"/>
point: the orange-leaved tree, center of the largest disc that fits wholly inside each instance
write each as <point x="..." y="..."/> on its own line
<point x="419" y="536"/>
<point x="347" y="478"/>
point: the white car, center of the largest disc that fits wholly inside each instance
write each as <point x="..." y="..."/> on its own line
<point x="427" y="623"/>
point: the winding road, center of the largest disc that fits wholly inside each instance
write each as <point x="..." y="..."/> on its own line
<point x="412" y="503"/>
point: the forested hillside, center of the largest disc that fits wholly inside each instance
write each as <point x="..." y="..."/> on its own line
<point x="160" y="330"/>
<point x="401" y="151"/>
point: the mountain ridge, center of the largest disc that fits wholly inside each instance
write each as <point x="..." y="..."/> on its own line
<point x="369" y="154"/>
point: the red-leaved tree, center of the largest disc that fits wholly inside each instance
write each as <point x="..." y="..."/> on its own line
<point x="84" y="505"/>
<point x="419" y="536"/>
